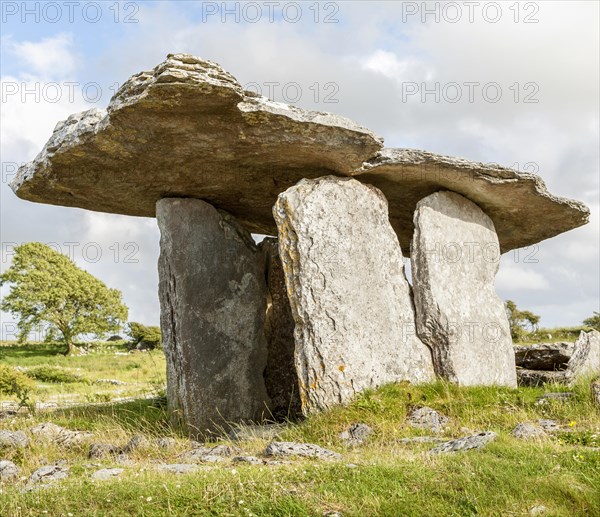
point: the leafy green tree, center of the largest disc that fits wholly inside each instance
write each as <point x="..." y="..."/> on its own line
<point x="47" y="287"/>
<point x="519" y="320"/>
<point x="147" y="336"/>
<point x="593" y="321"/>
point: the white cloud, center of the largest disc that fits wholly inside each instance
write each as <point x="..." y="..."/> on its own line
<point x="515" y="277"/>
<point x="52" y="57"/>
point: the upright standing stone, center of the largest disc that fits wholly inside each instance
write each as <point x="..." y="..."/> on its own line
<point x="455" y="256"/>
<point x="349" y="297"/>
<point x="213" y="300"/>
<point x="585" y="360"/>
<point x="281" y="379"/>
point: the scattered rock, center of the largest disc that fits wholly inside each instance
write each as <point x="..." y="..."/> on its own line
<point x="252" y="460"/>
<point x="213" y="297"/>
<point x="104" y="474"/>
<point x="13" y="439"/>
<point x="560" y="396"/>
<point x="49" y="431"/>
<point x="48" y="474"/>
<point x="428" y="419"/>
<point x="178" y="468"/>
<point x="455" y="249"/>
<point x="466" y="443"/>
<point x="529" y="431"/>
<point x="308" y="450"/>
<point x="356" y="434"/>
<point x="103" y="450"/>
<point x="8" y="471"/>
<point x="136" y="442"/>
<point x="544" y="356"/>
<point x="256" y="432"/>
<point x="550" y="426"/>
<point x="538" y="510"/>
<point x="209" y="454"/>
<point x="166" y="442"/>
<point x="116" y="337"/>
<point x="352" y="307"/>
<point x="114" y="382"/>
<point x="536" y="378"/>
<point x="421" y="439"/>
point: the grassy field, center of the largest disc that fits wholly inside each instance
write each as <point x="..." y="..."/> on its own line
<point x="137" y="373"/>
<point x="382" y="477"/>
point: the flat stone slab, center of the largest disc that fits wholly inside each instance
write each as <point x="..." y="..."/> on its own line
<point x="544" y="356"/>
<point x="476" y="441"/>
<point x="348" y="293"/>
<point x="455" y="258"/>
<point x="188" y="129"/>
<point x="213" y="297"/>
<point x="307" y="450"/>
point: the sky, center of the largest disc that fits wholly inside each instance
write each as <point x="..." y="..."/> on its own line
<point x="513" y="83"/>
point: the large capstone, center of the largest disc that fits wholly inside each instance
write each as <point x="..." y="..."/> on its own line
<point x="238" y="151"/>
<point x="213" y="300"/>
<point x="281" y="379"/>
<point x="455" y="256"/>
<point x="349" y="296"/>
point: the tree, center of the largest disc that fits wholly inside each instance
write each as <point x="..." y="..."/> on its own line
<point x="144" y="336"/>
<point x="519" y="319"/>
<point x="47" y="287"/>
<point x="593" y="321"/>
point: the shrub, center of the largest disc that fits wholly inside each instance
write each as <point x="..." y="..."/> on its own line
<point x="15" y="384"/>
<point x="144" y="336"/>
<point x="53" y="374"/>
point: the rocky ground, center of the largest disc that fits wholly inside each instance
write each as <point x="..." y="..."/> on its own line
<point x="404" y="449"/>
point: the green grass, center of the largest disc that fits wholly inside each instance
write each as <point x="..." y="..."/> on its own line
<point x="382" y="477"/>
<point x="73" y="379"/>
<point x="556" y="334"/>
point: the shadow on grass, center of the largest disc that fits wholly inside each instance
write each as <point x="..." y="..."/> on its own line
<point x="146" y="416"/>
<point x="29" y="350"/>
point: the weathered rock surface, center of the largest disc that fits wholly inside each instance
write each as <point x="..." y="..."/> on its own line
<point x="544" y="356"/>
<point x="8" y="471"/>
<point x="538" y="377"/>
<point x="308" y="450"/>
<point x="213" y="296"/>
<point x="187" y="129"/>
<point x="356" y="434"/>
<point x="166" y="442"/>
<point x="251" y="460"/>
<point x="178" y="468"/>
<point x="515" y="201"/>
<point x="208" y="454"/>
<point x="13" y="439"/>
<point x="136" y="442"/>
<point x="459" y="314"/>
<point x="585" y="360"/>
<point x="281" y="380"/>
<point x="104" y="474"/>
<point x="103" y="450"/>
<point x="529" y="431"/>
<point x="48" y="431"/>
<point x="428" y="419"/>
<point x="561" y="396"/>
<point x="48" y="474"/>
<point x="476" y="441"/>
<point x="349" y="296"/>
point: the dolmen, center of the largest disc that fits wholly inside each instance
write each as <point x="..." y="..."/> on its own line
<point x="321" y="309"/>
